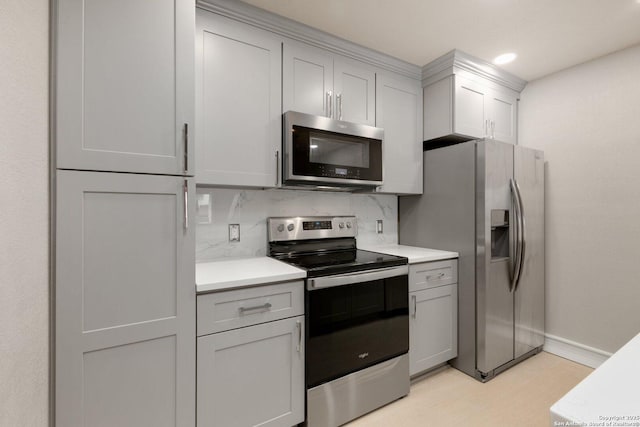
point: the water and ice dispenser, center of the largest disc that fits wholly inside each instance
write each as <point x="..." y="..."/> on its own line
<point x="499" y="233"/>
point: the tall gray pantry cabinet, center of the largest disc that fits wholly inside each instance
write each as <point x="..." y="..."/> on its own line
<point x="123" y="231"/>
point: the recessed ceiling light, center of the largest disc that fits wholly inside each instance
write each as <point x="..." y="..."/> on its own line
<point x="505" y="58"/>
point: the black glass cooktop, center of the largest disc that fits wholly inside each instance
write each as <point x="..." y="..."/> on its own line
<point x="342" y="261"/>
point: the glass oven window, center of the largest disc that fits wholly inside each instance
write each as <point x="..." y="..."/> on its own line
<point x="355" y="326"/>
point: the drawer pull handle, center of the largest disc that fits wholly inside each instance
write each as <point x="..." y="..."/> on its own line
<point x="264" y="307"/>
<point x="437" y="276"/>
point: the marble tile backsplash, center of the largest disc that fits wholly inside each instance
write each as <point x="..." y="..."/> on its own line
<point x="219" y="207"/>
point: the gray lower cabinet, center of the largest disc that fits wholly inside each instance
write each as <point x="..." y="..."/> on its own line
<point x="238" y="103"/>
<point x="433" y="320"/>
<point x="432" y="327"/>
<point x="251" y="356"/>
<point x="124" y="85"/>
<point x="124" y="300"/>
<point x="252" y="376"/>
<point x="399" y="113"/>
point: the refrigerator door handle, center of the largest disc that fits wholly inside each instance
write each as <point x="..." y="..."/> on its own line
<point x="517" y="262"/>
<point x="523" y="236"/>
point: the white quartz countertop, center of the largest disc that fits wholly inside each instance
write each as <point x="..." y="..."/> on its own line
<point x="236" y="273"/>
<point x="415" y="254"/>
<point x="609" y="396"/>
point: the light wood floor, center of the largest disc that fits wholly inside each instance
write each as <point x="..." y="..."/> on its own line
<point x="520" y="396"/>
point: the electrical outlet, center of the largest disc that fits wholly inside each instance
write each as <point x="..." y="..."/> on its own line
<point x="234" y="232"/>
<point x="379" y="226"/>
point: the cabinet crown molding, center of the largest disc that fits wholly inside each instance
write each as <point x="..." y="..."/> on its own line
<point x="289" y="28"/>
<point x="456" y="61"/>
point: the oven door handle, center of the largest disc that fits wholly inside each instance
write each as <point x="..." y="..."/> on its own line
<point x="356" y="277"/>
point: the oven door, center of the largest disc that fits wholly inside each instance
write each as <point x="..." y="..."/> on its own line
<point x="355" y="321"/>
<point x="328" y="151"/>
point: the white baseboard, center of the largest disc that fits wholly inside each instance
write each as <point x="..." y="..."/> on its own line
<point x="580" y="353"/>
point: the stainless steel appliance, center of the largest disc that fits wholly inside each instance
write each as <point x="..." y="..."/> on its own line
<point x="319" y="151"/>
<point x="485" y="200"/>
<point x="357" y="317"/>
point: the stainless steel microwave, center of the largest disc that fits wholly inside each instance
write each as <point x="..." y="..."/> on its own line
<point x="319" y="151"/>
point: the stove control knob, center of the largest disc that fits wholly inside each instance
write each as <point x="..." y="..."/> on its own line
<point x="290" y="227"/>
<point x="280" y="228"/>
<point x="348" y="225"/>
<point x="341" y="225"/>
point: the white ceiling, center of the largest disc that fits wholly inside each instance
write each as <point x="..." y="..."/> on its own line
<point x="547" y="35"/>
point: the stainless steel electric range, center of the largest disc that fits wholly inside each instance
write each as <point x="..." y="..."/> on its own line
<point x="357" y="317"/>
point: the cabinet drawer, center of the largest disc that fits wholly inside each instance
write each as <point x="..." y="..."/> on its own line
<point x="223" y="311"/>
<point x="430" y="274"/>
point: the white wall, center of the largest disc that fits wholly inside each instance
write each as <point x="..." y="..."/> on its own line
<point x="251" y="208"/>
<point x="24" y="27"/>
<point x="587" y="121"/>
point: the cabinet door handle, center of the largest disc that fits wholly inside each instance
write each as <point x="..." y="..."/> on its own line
<point x="186" y="147"/>
<point x="277" y="167"/>
<point x="299" y="327"/>
<point x="263" y="307"/>
<point x="435" y="276"/>
<point x="326" y="100"/>
<point x="339" y="105"/>
<point x="493" y="129"/>
<point x="185" y="190"/>
<point x="415" y="305"/>
<point x="330" y="103"/>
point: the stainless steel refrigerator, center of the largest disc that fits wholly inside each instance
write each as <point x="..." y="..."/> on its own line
<point x="485" y="200"/>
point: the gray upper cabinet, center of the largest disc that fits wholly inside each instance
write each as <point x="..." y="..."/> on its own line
<point x="307" y="77"/>
<point x="502" y="107"/>
<point x="466" y="98"/>
<point x="321" y="83"/>
<point x="124" y="85"/>
<point x="467" y="107"/>
<point x="238" y="103"/>
<point x="399" y="113"/>
<point x="354" y="91"/>
<point x="470" y="113"/>
<point x="125" y="300"/>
